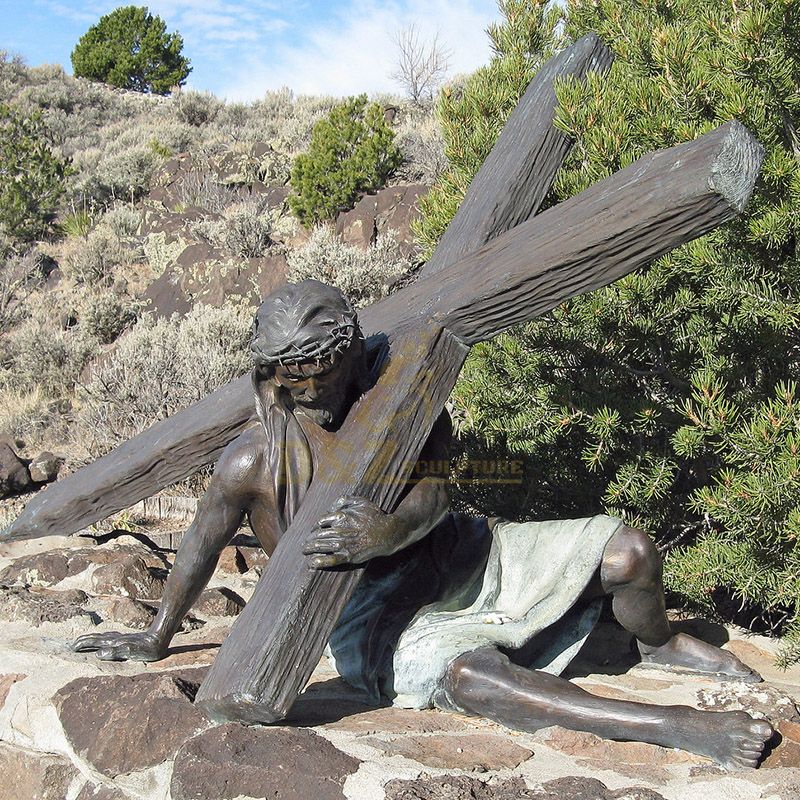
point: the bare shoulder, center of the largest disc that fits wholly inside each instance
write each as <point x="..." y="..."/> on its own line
<point x="241" y="463"/>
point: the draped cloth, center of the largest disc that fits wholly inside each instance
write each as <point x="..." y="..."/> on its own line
<point x="466" y="585"/>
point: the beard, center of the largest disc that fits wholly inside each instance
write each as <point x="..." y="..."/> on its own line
<point x="323" y="417"/>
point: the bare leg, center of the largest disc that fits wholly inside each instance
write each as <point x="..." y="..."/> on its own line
<point x="631" y="573"/>
<point x="486" y="683"/>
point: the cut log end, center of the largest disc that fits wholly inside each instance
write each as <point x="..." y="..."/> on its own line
<point x="734" y="171"/>
<point x="239" y="708"/>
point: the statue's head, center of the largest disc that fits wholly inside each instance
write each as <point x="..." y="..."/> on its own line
<point x="307" y="343"/>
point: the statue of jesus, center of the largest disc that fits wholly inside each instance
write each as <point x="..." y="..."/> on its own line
<point x="475" y="615"/>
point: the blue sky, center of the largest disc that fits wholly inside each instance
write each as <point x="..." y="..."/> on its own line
<point x="239" y="49"/>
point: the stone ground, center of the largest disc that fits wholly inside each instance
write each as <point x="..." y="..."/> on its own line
<point x="72" y="727"/>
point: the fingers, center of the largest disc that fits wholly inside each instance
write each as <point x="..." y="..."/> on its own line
<point x="323" y="544"/>
<point x="93" y="641"/>
<point x="333" y="560"/>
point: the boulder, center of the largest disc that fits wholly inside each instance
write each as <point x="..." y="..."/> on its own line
<point x="37" y="606"/>
<point x="218" y="603"/>
<point x="129" y="612"/>
<point x="129" y="576"/>
<point x="393" y="208"/>
<point x="44" y="468"/>
<point x="232" y="761"/>
<point x="14" y="476"/>
<point x="29" y="774"/>
<point x="124" y="724"/>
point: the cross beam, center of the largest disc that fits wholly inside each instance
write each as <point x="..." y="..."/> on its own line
<point x="624" y="222"/>
<point x="508" y="189"/>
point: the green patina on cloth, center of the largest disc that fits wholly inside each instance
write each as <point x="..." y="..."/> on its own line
<point x="465" y="586"/>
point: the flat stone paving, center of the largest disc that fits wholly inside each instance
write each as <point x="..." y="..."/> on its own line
<point x="75" y="728"/>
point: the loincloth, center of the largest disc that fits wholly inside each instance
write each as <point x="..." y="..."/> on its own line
<point x="465" y="586"/>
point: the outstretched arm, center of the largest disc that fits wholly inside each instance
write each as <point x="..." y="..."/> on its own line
<point x="357" y="530"/>
<point x="219" y="514"/>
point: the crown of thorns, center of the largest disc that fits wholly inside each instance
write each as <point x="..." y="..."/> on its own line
<point x="338" y="337"/>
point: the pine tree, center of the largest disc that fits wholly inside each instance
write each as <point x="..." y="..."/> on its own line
<point x="352" y="151"/>
<point x="666" y="398"/>
<point x="131" y="49"/>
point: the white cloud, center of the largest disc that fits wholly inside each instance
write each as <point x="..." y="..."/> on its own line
<point x="356" y="52"/>
<point x="239" y="49"/>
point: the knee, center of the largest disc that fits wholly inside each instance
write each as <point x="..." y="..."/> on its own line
<point x="630" y="558"/>
<point x="469" y="671"/>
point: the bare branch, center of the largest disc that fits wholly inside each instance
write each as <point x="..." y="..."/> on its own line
<point x="421" y="66"/>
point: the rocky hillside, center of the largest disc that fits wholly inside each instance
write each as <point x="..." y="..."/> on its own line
<point x="175" y="223"/>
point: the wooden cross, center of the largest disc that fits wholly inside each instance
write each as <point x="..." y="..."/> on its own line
<point x="624" y="222"/>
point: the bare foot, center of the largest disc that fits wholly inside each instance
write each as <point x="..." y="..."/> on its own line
<point x="733" y="739"/>
<point x="687" y="652"/>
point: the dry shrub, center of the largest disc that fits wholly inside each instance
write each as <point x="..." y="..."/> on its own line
<point x="106" y="316"/>
<point x="363" y="275"/>
<point x="40" y="354"/>
<point x="19" y="276"/>
<point x="159" y="367"/>
<point x="420" y="140"/>
<point x="197" y="108"/>
<point x="96" y="259"/>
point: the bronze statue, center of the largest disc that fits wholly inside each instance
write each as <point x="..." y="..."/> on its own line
<point x="475" y="615"/>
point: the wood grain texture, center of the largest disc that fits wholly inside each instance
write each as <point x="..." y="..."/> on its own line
<point x="659" y="202"/>
<point x="505" y="191"/>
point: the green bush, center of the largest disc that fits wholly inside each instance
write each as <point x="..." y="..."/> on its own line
<point x="131" y="49"/>
<point x="667" y="397"/>
<point x="31" y="176"/>
<point x="363" y="275"/>
<point x="352" y="151"/>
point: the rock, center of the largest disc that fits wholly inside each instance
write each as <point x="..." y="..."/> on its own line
<point x="201" y="274"/>
<point x="130" y="613"/>
<point x="44" y="468"/>
<point x="40" y="569"/>
<point x="232" y="561"/>
<point x="462" y="788"/>
<point x="218" y="603"/>
<point x="254" y="557"/>
<point x="20" y="604"/>
<point x="478" y="752"/>
<point x="233" y="761"/>
<point x="393" y="208"/>
<point x="124" y="724"/>
<point x="129" y="577"/>
<point x="52" y="566"/>
<point x="607" y="754"/>
<point x="6" y="682"/>
<point x="575" y="788"/>
<point x="759" y="699"/>
<point x="92" y="791"/>
<point x="787" y="752"/>
<point x="394" y="720"/>
<point x="29" y="775"/>
<point x="458" y="787"/>
<point x="14" y="476"/>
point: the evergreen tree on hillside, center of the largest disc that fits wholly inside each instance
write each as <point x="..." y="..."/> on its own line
<point x="668" y="397"/>
<point x="131" y="49"/>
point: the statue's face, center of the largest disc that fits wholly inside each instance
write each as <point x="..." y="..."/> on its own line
<point x="321" y="390"/>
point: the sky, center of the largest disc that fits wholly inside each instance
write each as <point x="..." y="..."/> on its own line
<point x="240" y="49"/>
